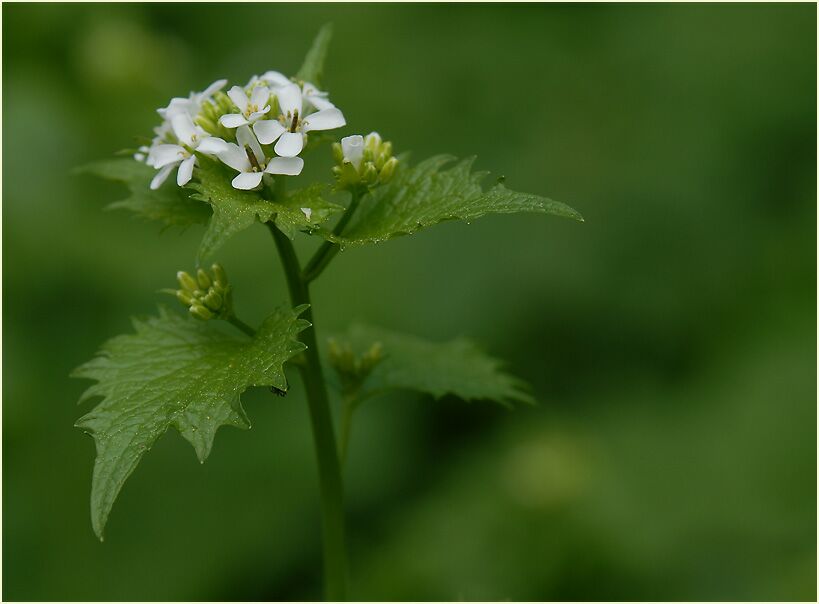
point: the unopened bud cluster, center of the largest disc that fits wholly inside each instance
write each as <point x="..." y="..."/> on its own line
<point x="207" y="295"/>
<point x="361" y="160"/>
<point x="353" y="369"/>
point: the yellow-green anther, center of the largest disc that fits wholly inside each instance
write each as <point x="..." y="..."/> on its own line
<point x="200" y="312"/>
<point x="388" y="170"/>
<point x="203" y="279"/>
<point x="213" y="301"/>
<point x="186" y="281"/>
<point x="184" y="297"/>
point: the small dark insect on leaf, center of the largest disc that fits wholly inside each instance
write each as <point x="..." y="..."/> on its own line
<point x="501" y="179"/>
<point x="278" y="391"/>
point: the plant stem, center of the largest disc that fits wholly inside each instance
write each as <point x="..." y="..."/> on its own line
<point x="330" y="482"/>
<point x="328" y="249"/>
<point x="241" y="325"/>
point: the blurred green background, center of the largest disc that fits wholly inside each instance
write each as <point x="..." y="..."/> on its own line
<point x="670" y="339"/>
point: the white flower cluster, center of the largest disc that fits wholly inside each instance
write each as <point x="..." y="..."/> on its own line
<point x="257" y="129"/>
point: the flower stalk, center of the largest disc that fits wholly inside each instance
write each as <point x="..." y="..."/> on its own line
<point x="324" y="439"/>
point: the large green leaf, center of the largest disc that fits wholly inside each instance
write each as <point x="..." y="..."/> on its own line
<point x="235" y="210"/>
<point x="458" y="367"/>
<point x="169" y="204"/>
<point x="312" y="69"/>
<point x="175" y="371"/>
<point x="429" y="193"/>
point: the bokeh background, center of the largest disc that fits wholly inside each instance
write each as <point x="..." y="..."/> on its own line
<point x="670" y="340"/>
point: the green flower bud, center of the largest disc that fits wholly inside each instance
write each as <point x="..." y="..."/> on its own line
<point x="388" y="170"/>
<point x="203" y="279"/>
<point x="184" y="297"/>
<point x="186" y="281"/>
<point x="219" y="275"/>
<point x="338" y="154"/>
<point x="213" y="301"/>
<point x="369" y="174"/>
<point x="200" y="312"/>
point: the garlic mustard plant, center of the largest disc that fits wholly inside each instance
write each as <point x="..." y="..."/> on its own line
<point x="237" y="155"/>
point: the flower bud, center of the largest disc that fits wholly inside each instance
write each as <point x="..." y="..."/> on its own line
<point x="219" y="275"/>
<point x="213" y="301"/>
<point x="186" y="281"/>
<point x="338" y="154"/>
<point x="200" y="312"/>
<point x="184" y="297"/>
<point x="363" y="160"/>
<point x="208" y="295"/>
<point x="203" y="279"/>
<point x="387" y="171"/>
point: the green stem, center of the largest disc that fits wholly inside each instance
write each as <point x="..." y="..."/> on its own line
<point x="330" y="483"/>
<point x="241" y="325"/>
<point x="328" y="249"/>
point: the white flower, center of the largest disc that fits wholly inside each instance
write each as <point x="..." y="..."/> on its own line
<point x="251" y="108"/>
<point x="290" y="128"/>
<point x="166" y="156"/>
<point x="193" y="104"/>
<point x="312" y="95"/>
<point x="353" y="149"/>
<point x="249" y="160"/>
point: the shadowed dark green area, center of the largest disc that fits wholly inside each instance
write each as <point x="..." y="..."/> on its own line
<point x="670" y="339"/>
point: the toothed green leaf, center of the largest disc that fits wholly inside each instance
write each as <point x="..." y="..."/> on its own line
<point x="235" y="210"/>
<point x="169" y="204"/>
<point x="175" y="371"/>
<point x="457" y="367"/>
<point x="429" y="193"/>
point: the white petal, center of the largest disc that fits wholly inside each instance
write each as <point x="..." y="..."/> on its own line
<point x="326" y="119"/>
<point x="289" y="166"/>
<point x="319" y="102"/>
<point x="233" y="120"/>
<point x="290" y="144"/>
<point x="353" y="149"/>
<point x="260" y="96"/>
<point x="239" y="98"/>
<point x="307" y="212"/>
<point x="289" y="99"/>
<point x="235" y="157"/>
<point x="210" y="145"/>
<point x="162" y="155"/>
<point x="213" y="88"/>
<point x="247" y="180"/>
<point x="244" y="137"/>
<point x="276" y="79"/>
<point x="184" y="128"/>
<point x="161" y="176"/>
<point x="268" y="130"/>
<point x="183" y="176"/>
<point x="257" y="114"/>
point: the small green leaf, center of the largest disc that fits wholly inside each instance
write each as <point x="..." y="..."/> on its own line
<point x="457" y="367"/>
<point x="175" y="371"/>
<point x="312" y="69"/>
<point x="424" y="195"/>
<point x="304" y="209"/>
<point x="169" y="204"/>
<point x="235" y="210"/>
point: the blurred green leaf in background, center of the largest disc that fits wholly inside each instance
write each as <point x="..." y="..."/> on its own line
<point x="670" y="340"/>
